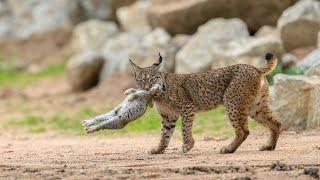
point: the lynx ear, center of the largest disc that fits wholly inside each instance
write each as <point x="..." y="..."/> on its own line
<point x="134" y="66"/>
<point x="157" y="65"/>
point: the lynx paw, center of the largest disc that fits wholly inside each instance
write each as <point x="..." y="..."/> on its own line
<point x="226" y="150"/>
<point x="267" y="147"/>
<point x="156" y="150"/>
<point x="187" y="146"/>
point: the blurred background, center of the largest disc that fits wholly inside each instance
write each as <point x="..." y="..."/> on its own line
<point x="63" y="61"/>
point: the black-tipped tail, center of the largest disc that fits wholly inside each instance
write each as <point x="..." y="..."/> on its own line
<point x="271" y="64"/>
<point x="269" y="56"/>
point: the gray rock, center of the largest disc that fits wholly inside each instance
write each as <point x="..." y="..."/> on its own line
<point x="314" y="70"/>
<point x="83" y="70"/>
<point x="157" y="41"/>
<point x="103" y="9"/>
<point x="300" y="24"/>
<point x="4" y="9"/>
<point x="178" y="16"/>
<point x="295" y="99"/>
<point x="134" y="17"/>
<point x="92" y="34"/>
<point x="268" y="30"/>
<point x="116" y="52"/>
<point x="223" y="42"/>
<point x="37" y="16"/>
<point x="288" y="60"/>
<point x="319" y="39"/>
<point x="310" y="60"/>
<point x="197" y="54"/>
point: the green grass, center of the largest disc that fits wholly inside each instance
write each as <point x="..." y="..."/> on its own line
<point x="279" y="69"/>
<point x="214" y="122"/>
<point x="21" y="78"/>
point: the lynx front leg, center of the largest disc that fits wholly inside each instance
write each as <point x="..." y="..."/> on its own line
<point x="168" y="125"/>
<point x="187" y="121"/>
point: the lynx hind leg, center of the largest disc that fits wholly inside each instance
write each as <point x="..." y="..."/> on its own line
<point x="262" y="113"/>
<point x="239" y="120"/>
<point x="237" y="100"/>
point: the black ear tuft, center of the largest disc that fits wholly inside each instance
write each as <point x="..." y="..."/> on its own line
<point x="134" y="66"/>
<point x="159" y="60"/>
<point x="269" y="56"/>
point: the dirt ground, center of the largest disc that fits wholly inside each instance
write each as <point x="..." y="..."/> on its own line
<point x="55" y="156"/>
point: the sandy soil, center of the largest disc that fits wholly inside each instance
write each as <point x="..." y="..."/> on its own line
<point x="96" y="157"/>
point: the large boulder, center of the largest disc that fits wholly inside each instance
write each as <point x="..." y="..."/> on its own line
<point x="223" y="42"/>
<point x="83" y="70"/>
<point x="134" y="17"/>
<point x="92" y="34"/>
<point x="157" y="41"/>
<point x="310" y="60"/>
<point x="178" y="16"/>
<point x="319" y="39"/>
<point x="196" y="55"/>
<point x="314" y="70"/>
<point x="300" y="24"/>
<point x="37" y="16"/>
<point x="116" y="52"/>
<point x="295" y="99"/>
<point x="103" y="9"/>
<point x="251" y="50"/>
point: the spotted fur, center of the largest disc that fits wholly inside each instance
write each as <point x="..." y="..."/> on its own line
<point x="241" y="88"/>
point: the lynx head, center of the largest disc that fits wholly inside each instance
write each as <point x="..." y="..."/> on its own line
<point x="149" y="76"/>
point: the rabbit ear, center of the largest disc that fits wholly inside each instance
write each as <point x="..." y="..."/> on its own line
<point x="134" y="66"/>
<point x="158" y="64"/>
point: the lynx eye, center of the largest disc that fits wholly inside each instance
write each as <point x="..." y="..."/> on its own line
<point x="152" y="80"/>
<point x="140" y="81"/>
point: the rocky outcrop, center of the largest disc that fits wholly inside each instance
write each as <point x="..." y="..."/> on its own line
<point x="92" y="34"/>
<point x="295" y="99"/>
<point x="134" y="17"/>
<point x="116" y="52"/>
<point x="157" y="41"/>
<point x="314" y="70"/>
<point x="223" y="42"/>
<point x="83" y="70"/>
<point x="177" y="16"/>
<point x="300" y="24"/>
<point x="26" y="18"/>
<point x="103" y="9"/>
<point x="319" y="39"/>
<point x="310" y="60"/>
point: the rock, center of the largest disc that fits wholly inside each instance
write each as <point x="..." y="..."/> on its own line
<point x="314" y="70"/>
<point x="196" y="55"/>
<point x="309" y="61"/>
<point x="295" y="99"/>
<point x="221" y="43"/>
<point x="83" y="70"/>
<point x="157" y="41"/>
<point x="267" y="30"/>
<point x="248" y="51"/>
<point x="288" y="60"/>
<point x="116" y="52"/>
<point x="134" y="17"/>
<point x="37" y="16"/>
<point x="4" y="10"/>
<point x="319" y="39"/>
<point x="180" y="39"/>
<point x="92" y="34"/>
<point x="178" y="16"/>
<point x="103" y="9"/>
<point x="300" y="24"/>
